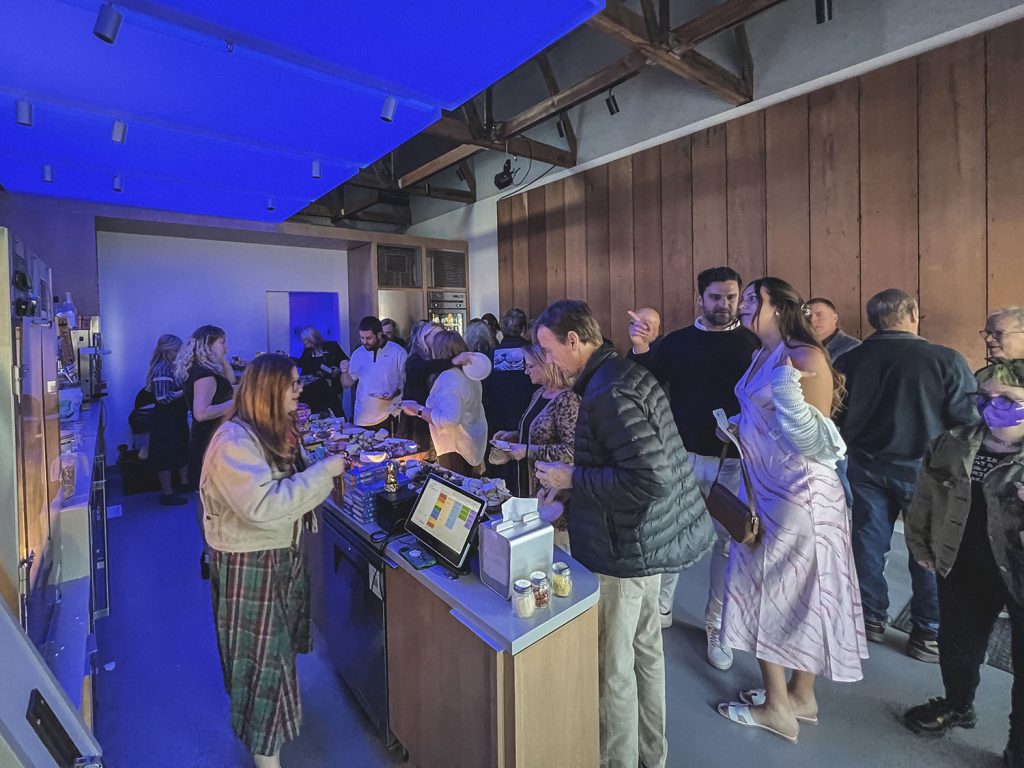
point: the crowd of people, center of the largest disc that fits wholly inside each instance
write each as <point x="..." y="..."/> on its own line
<point x="829" y="440"/>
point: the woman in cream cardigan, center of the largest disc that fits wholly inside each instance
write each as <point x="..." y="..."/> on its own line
<point x="454" y="408"/>
<point x="257" y="499"/>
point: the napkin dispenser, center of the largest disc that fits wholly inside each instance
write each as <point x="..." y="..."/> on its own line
<point x="514" y="545"/>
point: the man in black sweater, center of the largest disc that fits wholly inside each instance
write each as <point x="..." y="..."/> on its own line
<point x="700" y="365"/>
<point x="634" y="513"/>
<point x="902" y="392"/>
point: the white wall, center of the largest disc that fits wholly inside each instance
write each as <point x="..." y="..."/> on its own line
<point x="478" y="224"/>
<point x="151" y="285"/>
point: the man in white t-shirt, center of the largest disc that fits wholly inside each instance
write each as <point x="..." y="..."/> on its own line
<point x="379" y="367"/>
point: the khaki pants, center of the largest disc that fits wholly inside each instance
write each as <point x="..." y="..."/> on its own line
<point x="704" y="470"/>
<point x="631" y="673"/>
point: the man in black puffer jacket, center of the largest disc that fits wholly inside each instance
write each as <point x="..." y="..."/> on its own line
<point x="635" y="512"/>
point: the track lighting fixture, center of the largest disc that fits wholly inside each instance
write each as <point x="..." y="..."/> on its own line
<point x="387" y="112"/>
<point x="119" y="132"/>
<point x="48" y="173"/>
<point x="108" y="23"/>
<point x="119" y="183"/>
<point x="23" y="112"/>
<point x="503" y="178"/>
<point x="822" y="11"/>
<point x="270" y="204"/>
<point x="612" y="104"/>
<point x="317" y="169"/>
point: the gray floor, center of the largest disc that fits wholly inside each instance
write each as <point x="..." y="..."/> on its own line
<point x="162" y="703"/>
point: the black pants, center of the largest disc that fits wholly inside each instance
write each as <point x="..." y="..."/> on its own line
<point x="457" y="463"/>
<point x="970" y="599"/>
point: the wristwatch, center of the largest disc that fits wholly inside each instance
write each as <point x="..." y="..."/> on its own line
<point x="419" y="412"/>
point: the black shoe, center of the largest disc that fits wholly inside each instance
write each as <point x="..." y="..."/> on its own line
<point x="875" y="630"/>
<point x="923" y="646"/>
<point x="937" y="716"/>
<point x="172" y="500"/>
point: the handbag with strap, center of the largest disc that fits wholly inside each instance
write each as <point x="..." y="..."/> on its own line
<point x="738" y="518"/>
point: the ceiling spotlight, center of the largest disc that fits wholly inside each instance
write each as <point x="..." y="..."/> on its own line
<point x="23" y="112"/>
<point x="387" y="112"/>
<point x="108" y="23"/>
<point x="270" y="204"/>
<point x="48" y="173"/>
<point x="504" y="177"/>
<point x="612" y="104"/>
<point x="119" y="132"/>
<point x="317" y="169"/>
<point x="119" y="183"/>
<point x="822" y="11"/>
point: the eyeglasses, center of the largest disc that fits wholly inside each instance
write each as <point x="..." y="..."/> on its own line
<point x="999" y="402"/>
<point x="997" y="335"/>
<point x="296" y="385"/>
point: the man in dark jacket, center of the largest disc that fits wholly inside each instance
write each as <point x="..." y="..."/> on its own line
<point x="634" y="513"/>
<point x="508" y="390"/>
<point x="902" y="393"/>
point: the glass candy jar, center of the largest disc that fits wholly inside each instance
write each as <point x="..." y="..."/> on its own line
<point x="562" y="583"/>
<point x="541" y="588"/>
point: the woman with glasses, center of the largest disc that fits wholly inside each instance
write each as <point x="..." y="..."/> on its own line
<point x="258" y="496"/>
<point x="1004" y="334"/>
<point x="966" y="523"/>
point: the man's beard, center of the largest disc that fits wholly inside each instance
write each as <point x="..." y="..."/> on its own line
<point x="721" y="317"/>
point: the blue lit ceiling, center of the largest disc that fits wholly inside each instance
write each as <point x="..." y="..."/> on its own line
<point x="229" y="103"/>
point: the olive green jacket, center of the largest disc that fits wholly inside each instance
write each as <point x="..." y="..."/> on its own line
<point x="942" y="499"/>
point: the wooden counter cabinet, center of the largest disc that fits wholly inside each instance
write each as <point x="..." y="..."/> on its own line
<point x="458" y="702"/>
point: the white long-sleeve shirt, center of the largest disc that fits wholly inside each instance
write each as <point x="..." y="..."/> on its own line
<point x="458" y="424"/>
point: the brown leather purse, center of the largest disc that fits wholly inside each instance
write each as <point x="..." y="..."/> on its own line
<point x="739" y="519"/>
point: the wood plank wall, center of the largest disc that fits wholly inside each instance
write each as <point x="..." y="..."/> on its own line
<point x="911" y="176"/>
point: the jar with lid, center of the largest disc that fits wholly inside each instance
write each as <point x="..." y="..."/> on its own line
<point x="541" y="588"/>
<point x="523" y="601"/>
<point x="561" y="585"/>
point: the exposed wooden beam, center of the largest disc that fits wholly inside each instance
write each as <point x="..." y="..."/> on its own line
<point x="628" y="28"/>
<point x="664" y="20"/>
<point x="453" y="130"/>
<point x="650" y="20"/>
<point x="468" y="176"/>
<point x="552" y="85"/>
<point x="720" y="18"/>
<point x="748" y="60"/>
<point x="402" y="219"/>
<point x="476" y="125"/>
<point x="438" y="164"/>
<point x="443" y="193"/>
<point x="612" y="75"/>
<point x="368" y="201"/>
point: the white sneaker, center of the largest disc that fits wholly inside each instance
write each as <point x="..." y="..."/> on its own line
<point x="719" y="656"/>
<point x="666" y="619"/>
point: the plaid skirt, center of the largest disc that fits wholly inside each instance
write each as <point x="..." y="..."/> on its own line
<point x="261" y="609"/>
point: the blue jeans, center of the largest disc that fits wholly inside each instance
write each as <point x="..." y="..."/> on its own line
<point x="877" y="502"/>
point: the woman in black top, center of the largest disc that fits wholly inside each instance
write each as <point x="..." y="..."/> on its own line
<point x="168" y="433"/>
<point x="320" y="358"/>
<point x="202" y="366"/>
<point x="420" y="372"/>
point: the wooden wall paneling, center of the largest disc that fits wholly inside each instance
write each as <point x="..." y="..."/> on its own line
<point x="648" y="222"/>
<point x="676" y="236"/>
<point x="1005" y="166"/>
<point x="951" y="83"/>
<point x="505" y="272"/>
<point x="520" y="253"/>
<point x="598" y="280"/>
<point x="575" y="237"/>
<point x="888" y="183"/>
<point x="787" y="195"/>
<point x="554" y="206"/>
<point x="623" y="259"/>
<point x="710" y="219"/>
<point x="536" y="207"/>
<point x="745" y="194"/>
<point x="835" y="198"/>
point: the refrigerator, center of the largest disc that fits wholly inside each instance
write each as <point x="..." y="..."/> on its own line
<point x="29" y="438"/>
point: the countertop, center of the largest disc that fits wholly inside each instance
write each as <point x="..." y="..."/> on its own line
<point x="474" y="604"/>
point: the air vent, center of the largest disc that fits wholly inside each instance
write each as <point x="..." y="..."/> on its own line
<point x="447" y="269"/>
<point x="398" y="267"/>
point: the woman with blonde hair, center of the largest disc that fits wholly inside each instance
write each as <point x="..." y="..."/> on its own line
<point x="168" y="432"/>
<point x="207" y="380"/>
<point x="454" y="408"/>
<point x="258" y="498"/>
<point x="320" y="359"/>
